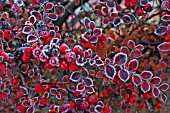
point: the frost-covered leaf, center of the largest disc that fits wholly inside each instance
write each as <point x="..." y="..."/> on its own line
<point x="145" y="86"/>
<point x="75" y="76"/>
<point x="110" y="71"/>
<point x="161" y="30"/>
<point x="137" y="80"/>
<point x="165" y="47"/>
<point x="124" y="75"/>
<point x="155" y="92"/>
<point x="88" y="81"/>
<point x="147" y="75"/>
<point x="120" y="59"/>
<point x="156" y="80"/>
<point x="131" y="44"/>
<point x="133" y="65"/>
<point x="80" y="87"/>
<point x="164" y="87"/>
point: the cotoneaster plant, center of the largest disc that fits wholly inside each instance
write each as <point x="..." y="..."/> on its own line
<point x="114" y="56"/>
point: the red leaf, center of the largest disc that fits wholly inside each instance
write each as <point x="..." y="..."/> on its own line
<point x="131" y="44"/>
<point x="23" y="90"/>
<point x="59" y="10"/>
<point x="84" y="72"/>
<point x="124" y="75"/>
<point x="26" y="103"/>
<point x="53" y="91"/>
<point x="155" y="92"/>
<point x="136" y="53"/>
<point x="166" y="18"/>
<point x="147" y="75"/>
<point x="139" y="47"/>
<point x="136" y="79"/>
<point x="164" y="87"/>
<point x="163" y="97"/>
<point x="145" y="86"/>
<point x="87" y="22"/>
<point x="125" y="50"/>
<point x="133" y="65"/>
<point x="110" y="71"/>
<point x="164" y="76"/>
<point x="98" y="13"/>
<point x="110" y="3"/>
<point x="37" y="14"/>
<point x="75" y="76"/>
<point x="27" y="30"/>
<point x="88" y="81"/>
<point x="80" y="87"/>
<point x="120" y="59"/>
<point x="52" y="16"/>
<point x="97" y="32"/>
<point x="161" y="30"/>
<point x="30" y="109"/>
<point x="156" y="80"/>
<point x="165" y="47"/>
<point x="32" y="19"/>
<point x="90" y="90"/>
<point x="49" y="6"/>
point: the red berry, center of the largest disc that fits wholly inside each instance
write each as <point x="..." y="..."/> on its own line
<point x="38" y="88"/>
<point x="105" y="93"/>
<point x="127" y="4"/>
<point x="139" y="12"/>
<point x="2" y="69"/>
<point x="14" y="81"/>
<point x="1" y="7"/>
<point x="72" y="104"/>
<point x="78" y="49"/>
<point x="21" y="109"/>
<point x="47" y="41"/>
<point x="36" y="51"/>
<point x="27" y="51"/>
<point x="8" y="34"/>
<point x="63" y="65"/>
<point x="142" y="105"/>
<point x="158" y="104"/>
<point x="92" y="99"/>
<point x="3" y="95"/>
<point x="34" y="1"/>
<point x="167" y="38"/>
<point x="46" y="87"/>
<point x="107" y="109"/>
<point x="70" y="56"/>
<point x="4" y="55"/>
<point x="132" y="99"/>
<point x="72" y="66"/>
<point x="25" y="59"/>
<point x="54" y="61"/>
<point x="64" y="48"/>
<point x="47" y="65"/>
<point x="87" y="45"/>
<point x="152" y="38"/>
<point x="147" y="8"/>
<point x="110" y="90"/>
<point x="43" y="102"/>
<point x="164" y="13"/>
<point x="84" y="105"/>
<point x="133" y="3"/>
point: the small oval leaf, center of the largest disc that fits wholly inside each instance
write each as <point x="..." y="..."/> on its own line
<point x="147" y="75"/>
<point x="124" y="75"/>
<point x="110" y="71"/>
<point x="145" y="86"/>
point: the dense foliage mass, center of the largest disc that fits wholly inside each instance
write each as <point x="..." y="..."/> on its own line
<point x="84" y="56"/>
